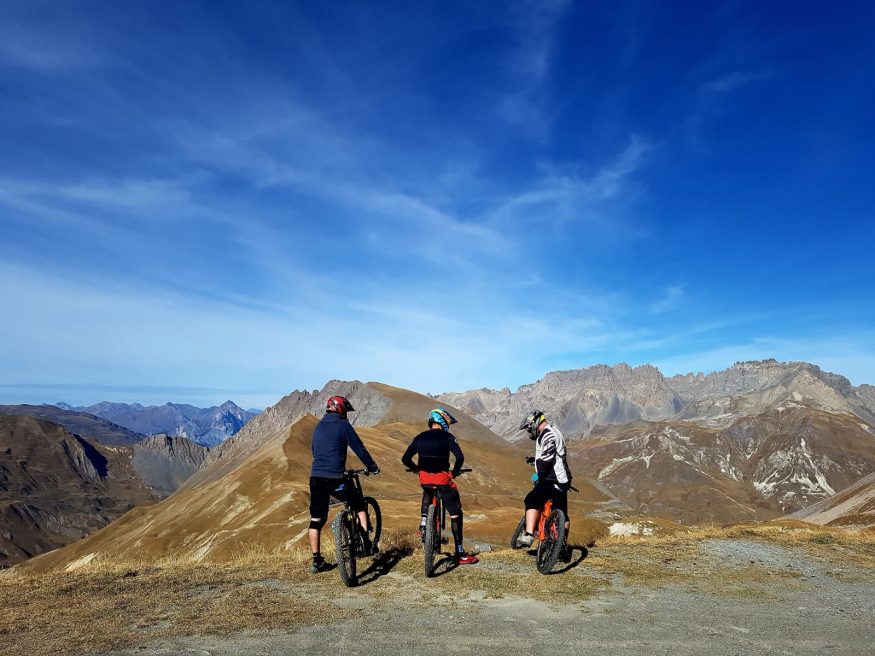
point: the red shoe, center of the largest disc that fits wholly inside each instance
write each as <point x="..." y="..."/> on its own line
<point x="466" y="559"/>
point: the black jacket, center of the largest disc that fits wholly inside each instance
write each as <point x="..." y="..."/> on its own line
<point x="434" y="447"/>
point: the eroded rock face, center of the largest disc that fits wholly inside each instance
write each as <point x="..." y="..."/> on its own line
<point x="576" y="400"/>
<point x="581" y="399"/>
<point x="56" y="487"/>
<point x="165" y="462"/>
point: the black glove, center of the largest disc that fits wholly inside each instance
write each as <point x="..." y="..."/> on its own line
<point x="373" y="471"/>
<point x="456" y="474"/>
<point x="530" y="460"/>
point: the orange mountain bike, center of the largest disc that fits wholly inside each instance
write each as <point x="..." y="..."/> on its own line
<point x="550" y="531"/>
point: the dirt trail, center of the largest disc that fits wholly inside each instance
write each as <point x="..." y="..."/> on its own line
<point x="717" y="597"/>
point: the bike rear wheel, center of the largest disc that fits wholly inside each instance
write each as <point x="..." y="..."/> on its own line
<point x="518" y="531"/>
<point x="432" y="545"/>
<point x="344" y="543"/>
<point x="375" y="522"/>
<point x="554" y="538"/>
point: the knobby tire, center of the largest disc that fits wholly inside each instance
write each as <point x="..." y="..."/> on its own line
<point x="375" y="521"/>
<point x="520" y="529"/>
<point x="345" y="548"/>
<point x="551" y="546"/>
<point x="432" y="545"/>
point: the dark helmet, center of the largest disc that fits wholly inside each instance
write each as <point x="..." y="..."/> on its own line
<point x="340" y="405"/>
<point x="441" y="417"/>
<point x="531" y="423"/>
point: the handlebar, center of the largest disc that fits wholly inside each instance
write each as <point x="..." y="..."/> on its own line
<point x="357" y="472"/>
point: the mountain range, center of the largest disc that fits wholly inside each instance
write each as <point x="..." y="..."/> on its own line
<point x="205" y="426"/>
<point x="754" y="441"/>
<point x="758" y="441"/>
<point x="64" y="474"/>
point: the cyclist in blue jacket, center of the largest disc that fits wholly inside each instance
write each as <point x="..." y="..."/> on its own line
<point x="332" y="436"/>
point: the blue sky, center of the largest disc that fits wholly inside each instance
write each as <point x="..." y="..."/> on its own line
<point x="210" y="200"/>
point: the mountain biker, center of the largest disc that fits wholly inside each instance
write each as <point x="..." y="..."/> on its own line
<point x="553" y="478"/>
<point x="433" y="466"/>
<point x="331" y="437"/>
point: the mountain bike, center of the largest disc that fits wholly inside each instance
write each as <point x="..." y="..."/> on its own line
<point x="435" y="522"/>
<point x="550" y="531"/>
<point x="351" y="540"/>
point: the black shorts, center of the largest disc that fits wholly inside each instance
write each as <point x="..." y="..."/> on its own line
<point x="450" y="495"/>
<point x="544" y="490"/>
<point x="322" y="489"/>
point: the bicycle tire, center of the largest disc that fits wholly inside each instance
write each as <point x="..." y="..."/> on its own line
<point x="551" y="546"/>
<point x="375" y="522"/>
<point x="432" y="543"/>
<point x="344" y="545"/>
<point x="520" y="528"/>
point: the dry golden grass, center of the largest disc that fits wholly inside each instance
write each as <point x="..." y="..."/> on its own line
<point x="135" y="601"/>
<point x="676" y="557"/>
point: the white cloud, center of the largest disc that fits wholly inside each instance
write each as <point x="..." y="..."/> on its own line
<point x="669" y="300"/>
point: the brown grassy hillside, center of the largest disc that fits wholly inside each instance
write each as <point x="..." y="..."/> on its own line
<point x="263" y="502"/>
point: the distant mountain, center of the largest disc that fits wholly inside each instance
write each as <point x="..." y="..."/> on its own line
<point x="757" y="440"/>
<point x="205" y="426"/>
<point x="581" y="399"/>
<point x="162" y="462"/>
<point x="56" y="487"/>
<point x="760" y="467"/>
<point x="78" y="422"/>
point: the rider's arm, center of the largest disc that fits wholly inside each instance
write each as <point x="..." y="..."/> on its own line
<point x="355" y="443"/>
<point x="456" y="450"/>
<point x="407" y="458"/>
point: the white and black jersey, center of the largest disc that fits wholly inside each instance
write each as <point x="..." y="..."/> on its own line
<point x="551" y="458"/>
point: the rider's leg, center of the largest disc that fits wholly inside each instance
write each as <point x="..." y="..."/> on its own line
<point x="534" y="501"/>
<point x="320" y="490"/>
<point x="531" y="520"/>
<point x="456" y="526"/>
<point x="427" y="496"/>
<point x="315" y="534"/>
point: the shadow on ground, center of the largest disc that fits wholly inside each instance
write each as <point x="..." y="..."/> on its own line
<point x="382" y="564"/>
<point x="576" y="555"/>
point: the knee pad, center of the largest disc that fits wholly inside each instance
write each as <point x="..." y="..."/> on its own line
<point x="318" y="523"/>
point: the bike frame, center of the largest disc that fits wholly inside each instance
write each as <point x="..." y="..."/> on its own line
<point x="543" y="514"/>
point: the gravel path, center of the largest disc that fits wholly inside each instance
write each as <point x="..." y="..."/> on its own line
<point x="822" y="609"/>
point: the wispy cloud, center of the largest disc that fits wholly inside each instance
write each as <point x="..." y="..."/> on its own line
<point x="669" y="299"/>
<point x="534" y="27"/>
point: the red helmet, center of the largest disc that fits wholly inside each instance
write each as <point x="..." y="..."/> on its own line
<point x="340" y="405"/>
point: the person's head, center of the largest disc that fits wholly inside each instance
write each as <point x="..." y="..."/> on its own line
<point x="340" y="405"/>
<point x="533" y="422"/>
<point x="441" y="418"/>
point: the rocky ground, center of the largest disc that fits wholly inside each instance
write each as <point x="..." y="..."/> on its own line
<point x="724" y="592"/>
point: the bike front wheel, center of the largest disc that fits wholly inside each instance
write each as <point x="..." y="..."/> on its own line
<point x="550" y="547"/>
<point x="375" y="522"/>
<point x="344" y="544"/>
<point x="432" y="544"/>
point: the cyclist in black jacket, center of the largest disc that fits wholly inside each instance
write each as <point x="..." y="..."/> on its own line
<point x="433" y="465"/>
<point x="331" y="438"/>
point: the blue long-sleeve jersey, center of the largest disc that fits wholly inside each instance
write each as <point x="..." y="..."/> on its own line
<point x="332" y="436"/>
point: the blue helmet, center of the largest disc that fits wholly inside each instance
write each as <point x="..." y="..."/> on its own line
<point x="441" y="417"/>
